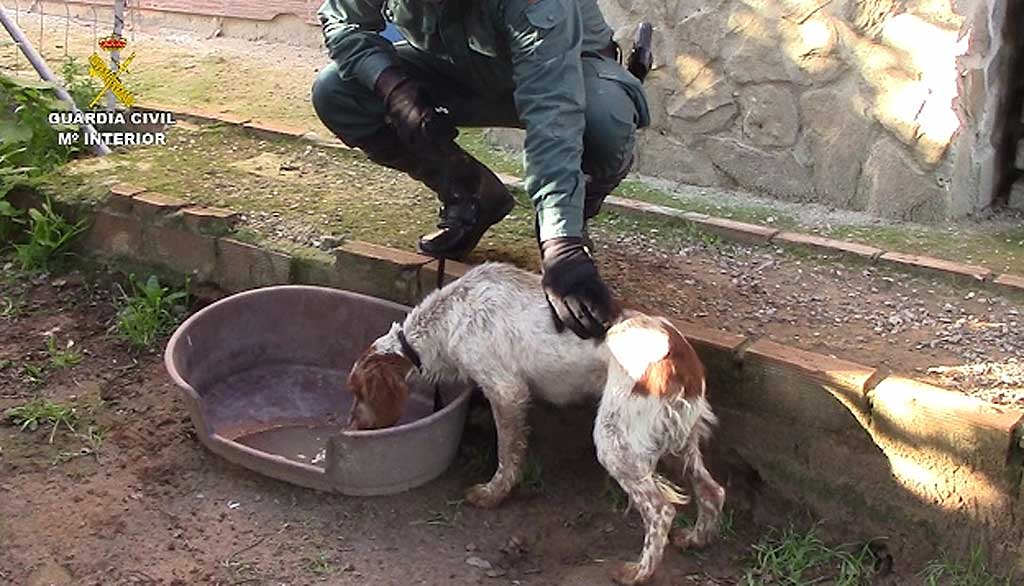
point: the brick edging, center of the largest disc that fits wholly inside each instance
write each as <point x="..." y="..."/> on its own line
<point x="1006" y="283"/>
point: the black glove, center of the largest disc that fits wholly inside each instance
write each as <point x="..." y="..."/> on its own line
<point x="420" y="124"/>
<point x="578" y="298"/>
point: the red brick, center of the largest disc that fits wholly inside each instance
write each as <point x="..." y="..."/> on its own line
<point x="180" y="250"/>
<point x="126" y="189"/>
<point x="210" y="116"/>
<point x="452" y="270"/>
<point x="241" y="265"/>
<point x="733" y="230"/>
<point x="814" y="365"/>
<point x="936" y="266"/>
<point x="932" y="423"/>
<point x="804" y="386"/>
<point x="383" y="253"/>
<point x="702" y="336"/>
<point x="273" y="130"/>
<point x="632" y="206"/>
<point x="826" y="245"/>
<point x="113" y="235"/>
<point x="379" y="271"/>
<point x="151" y="204"/>
<point x="120" y="199"/>
<point x="211" y="221"/>
<point x="1008" y="283"/>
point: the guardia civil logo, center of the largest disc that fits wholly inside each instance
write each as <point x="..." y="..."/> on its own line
<point x="111" y="78"/>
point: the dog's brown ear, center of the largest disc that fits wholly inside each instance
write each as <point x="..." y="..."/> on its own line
<point x="678" y="372"/>
<point x="380" y="391"/>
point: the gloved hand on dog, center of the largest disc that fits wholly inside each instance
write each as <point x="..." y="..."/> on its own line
<point x="578" y="297"/>
<point x="417" y="119"/>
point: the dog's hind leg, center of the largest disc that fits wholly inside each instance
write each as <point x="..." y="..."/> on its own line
<point x="709" y="494"/>
<point x="509" y="407"/>
<point x="635" y="474"/>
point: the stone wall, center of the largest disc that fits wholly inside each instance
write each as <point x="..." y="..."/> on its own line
<point x="886" y="106"/>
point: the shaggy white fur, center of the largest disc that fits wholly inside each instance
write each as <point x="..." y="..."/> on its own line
<point x="493" y="327"/>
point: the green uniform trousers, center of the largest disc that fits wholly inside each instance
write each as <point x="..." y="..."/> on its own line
<point x="477" y="96"/>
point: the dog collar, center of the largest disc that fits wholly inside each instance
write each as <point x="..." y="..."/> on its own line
<point x="413" y="356"/>
<point x="408" y="351"/>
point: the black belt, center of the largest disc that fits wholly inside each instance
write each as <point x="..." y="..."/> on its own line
<point x="612" y="51"/>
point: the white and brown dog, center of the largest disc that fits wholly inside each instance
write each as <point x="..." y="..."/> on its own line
<point x="493" y="327"/>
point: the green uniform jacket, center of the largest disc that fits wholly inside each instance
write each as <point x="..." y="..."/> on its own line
<point x="533" y="48"/>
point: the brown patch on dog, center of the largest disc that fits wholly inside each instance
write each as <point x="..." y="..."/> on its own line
<point x="377" y="383"/>
<point x="679" y="372"/>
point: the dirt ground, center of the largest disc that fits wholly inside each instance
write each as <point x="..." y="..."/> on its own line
<point x="147" y="504"/>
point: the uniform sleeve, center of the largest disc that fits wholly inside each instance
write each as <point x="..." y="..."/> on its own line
<point x="350" y="34"/>
<point x="544" y="43"/>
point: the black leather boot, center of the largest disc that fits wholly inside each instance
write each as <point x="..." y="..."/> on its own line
<point x="472" y="197"/>
<point x="473" y="200"/>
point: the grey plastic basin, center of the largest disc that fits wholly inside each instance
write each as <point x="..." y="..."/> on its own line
<point x="263" y="373"/>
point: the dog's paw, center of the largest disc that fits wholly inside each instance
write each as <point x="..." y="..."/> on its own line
<point x="483" y="497"/>
<point x="689" y="538"/>
<point x="627" y="573"/>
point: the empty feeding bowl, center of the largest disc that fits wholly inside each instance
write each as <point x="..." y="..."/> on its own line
<point x="264" y="373"/>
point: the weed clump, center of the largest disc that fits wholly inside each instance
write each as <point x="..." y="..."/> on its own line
<point x="148" y="312"/>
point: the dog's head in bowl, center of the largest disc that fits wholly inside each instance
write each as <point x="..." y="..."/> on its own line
<point x="378" y="383"/>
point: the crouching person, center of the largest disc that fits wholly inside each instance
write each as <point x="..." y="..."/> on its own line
<point x="549" y="66"/>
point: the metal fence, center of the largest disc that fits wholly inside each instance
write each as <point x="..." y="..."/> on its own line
<point x="48" y="28"/>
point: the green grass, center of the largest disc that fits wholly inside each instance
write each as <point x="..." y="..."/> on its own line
<point x="12" y="307"/>
<point x="147" y="312"/>
<point x="11" y="218"/>
<point x="57" y="358"/>
<point x="448" y="517"/>
<point x="49" y="236"/>
<point x="34" y="374"/>
<point x="949" y="571"/>
<point x="320" y="563"/>
<point x="93" y="442"/>
<point x="39" y="412"/>
<point x="794" y="558"/>
<point x="61" y="358"/>
<point x="999" y="249"/>
<point x="475" y="143"/>
<point x="756" y="214"/>
<point x="667" y="234"/>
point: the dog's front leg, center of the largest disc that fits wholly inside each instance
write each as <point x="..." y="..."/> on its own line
<point x="509" y="409"/>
